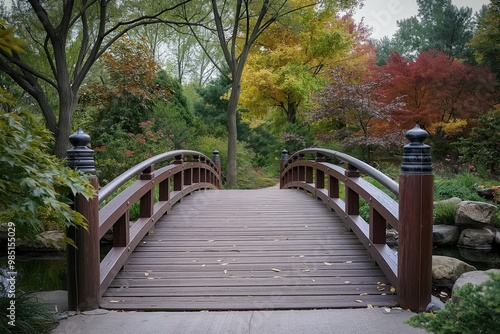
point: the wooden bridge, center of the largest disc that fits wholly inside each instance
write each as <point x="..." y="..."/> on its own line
<point x="302" y="245"/>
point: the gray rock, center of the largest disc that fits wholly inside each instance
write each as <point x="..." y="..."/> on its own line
<point x="445" y="235"/>
<point x="497" y="237"/>
<point x="55" y="301"/>
<point x="476" y="238"/>
<point x="446" y="270"/>
<point x="472" y="214"/>
<point x="474" y="277"/>
<point x="453" y="200"/>
<point x="435" y="304"/>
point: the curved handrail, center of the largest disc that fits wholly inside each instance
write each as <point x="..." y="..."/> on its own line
<point x="386" y="181"/>
<point x="116" y="183"/>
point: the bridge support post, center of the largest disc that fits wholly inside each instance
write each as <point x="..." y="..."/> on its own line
<point x="416" y="184"/>
<point x="83" y="260"/>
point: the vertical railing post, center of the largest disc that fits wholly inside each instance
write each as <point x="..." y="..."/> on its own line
<point x="351" y="196"/>
<point x="283" y="162"/>
<point x="416" y="184"/>
<point x="216" y="160"/>
<point x="302" y="169"/>
<point x="83" y="259"/>
<point x="178" y="177"/>
<point x="320" y="175"/>
<point x="147" y="203"/>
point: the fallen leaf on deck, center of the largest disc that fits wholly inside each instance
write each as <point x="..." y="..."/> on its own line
<point x="146" y="274"/>
<point x="393" y="289"/>
<point x="348" y="261"/>
<point x="223" y="264"/>
<point x="369" y="306"/>
<point x="225" y="271"/>
<point x="306" y="270"/>
<point x="347" y="282"/>
<point x="275" y="270"/>
<point x="364" y="294"/>
<point x="328" y="264"/>
<point x="211" y="240"/>
<point x="358" y="301"/>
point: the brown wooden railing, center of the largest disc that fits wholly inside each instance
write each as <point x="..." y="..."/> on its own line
<point x="88" y="277"/>
<point x="410" y="269"/>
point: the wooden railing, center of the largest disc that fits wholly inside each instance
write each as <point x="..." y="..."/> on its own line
<point x="88" y="277"/>
<point x="410" y="269"/>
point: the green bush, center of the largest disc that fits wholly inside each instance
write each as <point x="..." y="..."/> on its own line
<point x="477" y="310"/>
<point x="444" y="213"/>
<point x="463" y="185"/>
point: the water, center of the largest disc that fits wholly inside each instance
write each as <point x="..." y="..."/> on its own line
<point x="39" y="271"/>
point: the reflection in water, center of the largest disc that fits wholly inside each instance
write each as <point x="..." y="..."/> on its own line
<point x="37" y="271"/>
<point x="481" y="259"/>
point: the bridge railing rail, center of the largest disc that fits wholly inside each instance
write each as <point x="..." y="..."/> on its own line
<point x="156" y="191"/>
<point x="408" y="270"/>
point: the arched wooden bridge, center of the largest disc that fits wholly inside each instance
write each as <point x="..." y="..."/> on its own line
<point x="301" y="245"/>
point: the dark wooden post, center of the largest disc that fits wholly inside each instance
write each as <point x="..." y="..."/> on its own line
<point x="320" y="175"/>
<point x="147" y="202"/>
<point x="351" y="197"/>
<point x="302" y="169"/>
<point x="283" y="162"/>
<point x="415" y="223"/>
<point x="83" y="260"/>
<point x="216" y="160"/>
<point x="178" y="177"/>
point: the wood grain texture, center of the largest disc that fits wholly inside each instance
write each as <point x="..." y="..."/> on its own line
<point x="249" y="250"/>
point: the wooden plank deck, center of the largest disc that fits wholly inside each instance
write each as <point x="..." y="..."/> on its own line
<point x="249" y="250"/>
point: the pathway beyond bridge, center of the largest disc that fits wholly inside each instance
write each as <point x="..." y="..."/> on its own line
<point x="249" y="250"/>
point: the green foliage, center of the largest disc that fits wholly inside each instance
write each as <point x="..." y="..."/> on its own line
<point x="444" y="213"/>
<point x="117" y="151"/>
<point x="482" y="147"/>
<point x="31" y="316"/>
<point x="248" y="176"/>
<point x="463" y="185"/>
<point x="477" y="310"/>
<point x="34" y="185"/>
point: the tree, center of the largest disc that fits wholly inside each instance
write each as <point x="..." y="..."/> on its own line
<point x="440" y="93"/>
<point x="34" y="185"/>
<point x="70" y="40"/>
<point x="486" y="41"/>
<point x="439" y="25"/>
<point x="291" y="62"/>
<point x="237" y="25"/>
<point x="354" y="100"/>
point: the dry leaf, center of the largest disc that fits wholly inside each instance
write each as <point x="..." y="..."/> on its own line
<point x="328" y="264"/>
<point x="306" y="270"/>
<point x="115" y="301"/>
<point x="364" y="294"/>
<point x="348" y="261"/>
<point x="358" y="301"/>
<point x="223" y="264"/>
<point x="146" y="274"/>
<point x="151" y="278"/>
<point x="393" y="289"/>
<point x="369" y="306"/>
<point x="225" y="271"/>
<point x="275" y="270"/>
<point x="211" y="240"/>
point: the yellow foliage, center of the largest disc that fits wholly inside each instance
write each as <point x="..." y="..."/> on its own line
<point x="8" y="42"/>
<point x="452" y="128"/>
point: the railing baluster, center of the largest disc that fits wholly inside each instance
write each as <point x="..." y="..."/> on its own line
<point x="121" y="231"/>
<point x="178" y="177"/>
<point x="147" y="201"/>
<point x="333" y="187"/>
<point x="164" y="190"/>
<point x="351" y="197"/>
<point x="320" y="175"/>
<point x="377" y="227"/>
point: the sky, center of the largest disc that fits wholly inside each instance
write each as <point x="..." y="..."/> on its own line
<point x="382" y="15"/>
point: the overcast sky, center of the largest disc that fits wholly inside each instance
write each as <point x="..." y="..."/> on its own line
<point x="381" y="15"/>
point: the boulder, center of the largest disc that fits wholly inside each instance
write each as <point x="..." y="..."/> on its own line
<point x="445" y="235"/>
<point x="474" y="277"/>
<point x="446" y="270"/>
<point x="472" y="214"/>
<point x="476" y="238"/>
<point x="453" y="200"/>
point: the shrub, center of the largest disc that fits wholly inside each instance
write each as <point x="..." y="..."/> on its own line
<point x="31" y="316"/>
<point x="444" y="213"/>
<point x="463" y="185"/>
<point x="476" y="311"/>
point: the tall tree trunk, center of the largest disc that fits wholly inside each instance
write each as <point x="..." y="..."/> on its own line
<point x="232" y="109"/>
<point x="291" y="112"/>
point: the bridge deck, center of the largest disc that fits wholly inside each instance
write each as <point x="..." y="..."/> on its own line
<point x="249" y="249"/>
